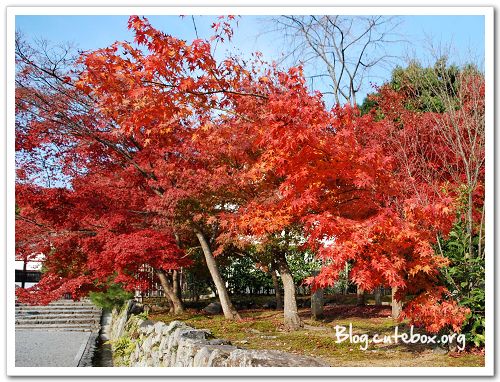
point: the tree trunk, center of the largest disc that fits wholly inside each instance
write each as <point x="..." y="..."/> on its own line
<point x="170" y="304"/>
<point x="360" y="297"/>
<point x="169" y="291"/>
<point x="291" y="316"/>
<point x="396" y="305"/>
<point x="378" y="295"/>
<point x="227" y="307"/>
<point x="479" y="245"/>
<point x="176" y="274"/>
<point x="470" y="222"/>
<point x="317" y="302"/>
<point x="176" y="284"/>
<point x="277" y="290"/>
<point x="346" y="289"/>
<point x="171" y="309"/>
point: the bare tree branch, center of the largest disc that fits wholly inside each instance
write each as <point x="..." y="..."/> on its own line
<point x="343" y="48"/>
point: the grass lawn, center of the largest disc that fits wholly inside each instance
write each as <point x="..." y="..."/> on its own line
<point x="263" y="329"/>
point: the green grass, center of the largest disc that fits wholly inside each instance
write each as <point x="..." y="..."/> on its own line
<point x="263" y="329"/>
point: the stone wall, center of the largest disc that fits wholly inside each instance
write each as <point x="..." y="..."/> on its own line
<point x="138" y="342"/>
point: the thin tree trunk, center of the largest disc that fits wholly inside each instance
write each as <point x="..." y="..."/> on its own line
<point x="317" y="302"/>
<point x="176" y="284"/>
<point x="170" y="304"/>
<point x="469" y="224"/>
<point x="396" y="305"/>
<point x="346" y="289"/>
<point x="291" y="316"/>
<point x="277" y="290"/>
<point x="360" y="296"/>
<point x="479" y="246"/>
<point x="227" y="307"/>
<point x="378" y="295"/>
<point x="175" y="273"/>
<point x="169" y="290"/>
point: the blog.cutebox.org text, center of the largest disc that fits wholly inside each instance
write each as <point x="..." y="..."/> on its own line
<point x="343" y="333"/>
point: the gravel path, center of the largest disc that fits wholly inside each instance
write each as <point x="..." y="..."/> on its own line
<point x="50" y="348"/>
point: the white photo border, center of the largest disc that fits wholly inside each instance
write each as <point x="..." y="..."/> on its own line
<point x="202" y="9"/>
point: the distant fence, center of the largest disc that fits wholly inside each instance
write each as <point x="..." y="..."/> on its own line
<point x="153" y="286"/>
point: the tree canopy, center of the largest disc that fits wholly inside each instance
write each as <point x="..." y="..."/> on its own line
<point x="162" y="142"/>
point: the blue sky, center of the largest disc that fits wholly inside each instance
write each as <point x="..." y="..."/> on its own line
<point x="464" y="33"/>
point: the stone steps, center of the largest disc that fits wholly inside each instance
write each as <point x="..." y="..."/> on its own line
<point x="61" y="303"/>
<point x="55" y="320"/>
<point x="40" y="315"/>
<point x="59" y="327"/>
<point x="49" y="310"/>
<point x="57" y="306"/>
<point x="63" y="315"/>
<point x="66" y="303"/>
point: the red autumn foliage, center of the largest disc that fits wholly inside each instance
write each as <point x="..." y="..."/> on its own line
<point x="89" y="239"/>
<point x="165" y="138"/>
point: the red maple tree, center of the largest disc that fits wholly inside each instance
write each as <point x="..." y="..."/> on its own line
<point x="160" y="139"/>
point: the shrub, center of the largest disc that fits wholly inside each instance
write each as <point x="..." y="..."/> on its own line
<point x="113" y="297"/>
